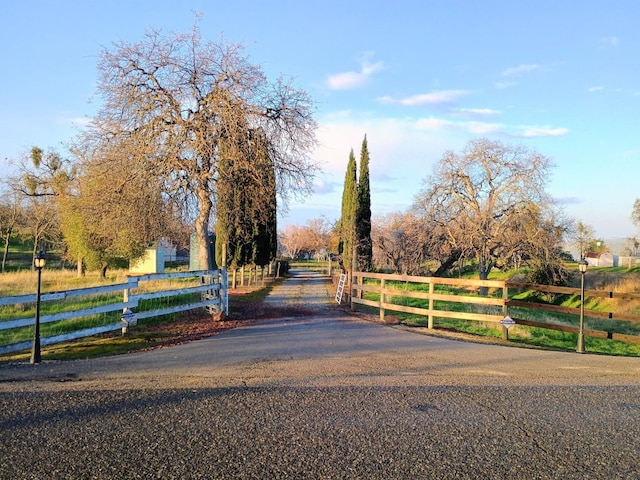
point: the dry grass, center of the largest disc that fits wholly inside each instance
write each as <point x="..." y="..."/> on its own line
<point x="25" y="281"/>
<point x="618" y="282"/>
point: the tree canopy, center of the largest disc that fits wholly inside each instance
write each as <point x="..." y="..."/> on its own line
<point x="348" y="217"/>
<point x="363" y="212"/>
<point x="490" y="205"/>
<point x="176" y="106"/>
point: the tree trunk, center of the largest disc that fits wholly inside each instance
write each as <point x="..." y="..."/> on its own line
<point x="448" y="263"/>
<point x="202" y="228"/>
<point x="103" y="271"/>
<point x="80" y="267"/>
<point x="5" y="254"/>
<point x="483" y="274"/>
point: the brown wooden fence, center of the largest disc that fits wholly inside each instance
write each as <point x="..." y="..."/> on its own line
<point x="383" y="292"/>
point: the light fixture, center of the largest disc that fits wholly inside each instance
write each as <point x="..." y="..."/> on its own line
<point x="39" y="262"/>
<point x="582" y="266"/>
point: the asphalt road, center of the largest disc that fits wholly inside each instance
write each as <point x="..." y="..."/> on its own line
<point x="325" y="396"/>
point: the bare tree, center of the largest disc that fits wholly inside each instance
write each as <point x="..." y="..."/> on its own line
<point x="292" y="239"/>
<point x="42" y="225"/>
<point x="582" y="237"/>
<point x="635" y="213"/>
<point x="479" y="198"/>
<point x="312" y="239"/>
<point x="632" y="246"/>
<point x="318" y="236"/>
<point x="175" y="105"/>
<point x="44" y="177"/>
<point x="12" y="219"/>
<point x="399" y="243"/>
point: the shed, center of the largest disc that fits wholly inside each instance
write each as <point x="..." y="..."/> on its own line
<point x="151" y="262"/>
<point x="604" y="259"/>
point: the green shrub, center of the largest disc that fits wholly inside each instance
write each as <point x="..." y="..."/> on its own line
<point x="552" y="272"/>
<point x="284" y="267"/>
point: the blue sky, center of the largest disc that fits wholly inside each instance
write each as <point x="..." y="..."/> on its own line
<point x="417" y="77"/>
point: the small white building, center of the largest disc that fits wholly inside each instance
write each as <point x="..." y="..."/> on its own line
<point x="604" y="259"/>
<point x="154" y="258"/>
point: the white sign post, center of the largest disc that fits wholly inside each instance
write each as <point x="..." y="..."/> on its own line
<point x="508" y="322"/>
<point x="129" y="319"/>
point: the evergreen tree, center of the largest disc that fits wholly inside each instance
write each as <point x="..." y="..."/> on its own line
<point x="246" y="207"/>
<point x="265" y="235"/>
<point x="363" y="212"/>
<point x="348" y="219"/>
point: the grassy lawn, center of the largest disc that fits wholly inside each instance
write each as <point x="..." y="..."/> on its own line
<point x="155" y="332"/>
<point x="245" y="302"/>
<point x="623" y="281"/>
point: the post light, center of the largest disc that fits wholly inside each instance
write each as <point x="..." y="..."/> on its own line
<point x="38" y="262"/>
<point x="582" y="265"/>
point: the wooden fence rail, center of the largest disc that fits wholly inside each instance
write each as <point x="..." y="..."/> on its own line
<point x="213" y="292"/>
<point x="386" y="297"/>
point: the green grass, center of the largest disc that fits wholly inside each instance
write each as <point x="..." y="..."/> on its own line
<point x="136" y="339"/>
<point x="58" y="279"/>
<point x="321" y="266"/>
<point x="527" y="336"/>
<point x="524" y="335"/>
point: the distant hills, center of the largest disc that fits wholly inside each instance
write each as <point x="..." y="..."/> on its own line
<point x="616" y="245"/>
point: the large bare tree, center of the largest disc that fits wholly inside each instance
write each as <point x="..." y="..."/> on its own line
<point x="174" y="105"/>
<point x="485" y="199"/>
<point x="399" y="242"/>
<point x="313" y="238"/>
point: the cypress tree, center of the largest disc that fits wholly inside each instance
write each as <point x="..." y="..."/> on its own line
<point x="246" y="204"/>
<point x="264" y="206"/>
<point x="363" y="212"/>
<point x="348" y="219"/>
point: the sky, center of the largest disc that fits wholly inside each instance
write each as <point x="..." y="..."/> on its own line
<point x="418" y="78"/>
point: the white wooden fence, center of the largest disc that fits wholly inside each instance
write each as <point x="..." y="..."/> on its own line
<point x="213" y="289"/>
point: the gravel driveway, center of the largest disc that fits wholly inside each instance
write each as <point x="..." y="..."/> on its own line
<point x="324" y="396"/>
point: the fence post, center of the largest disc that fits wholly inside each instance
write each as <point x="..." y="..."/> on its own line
<point x="131" y="283"/>
<point x="382" y="299"/>
<point x="505" y="310"/>
<point x="431" y="289"/>
<point x="353" y="281"/>
<point x="224" y="288"/>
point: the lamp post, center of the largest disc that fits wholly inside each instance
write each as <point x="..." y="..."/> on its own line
<point x="582" y="265"/>
<point x="38" y="262"/>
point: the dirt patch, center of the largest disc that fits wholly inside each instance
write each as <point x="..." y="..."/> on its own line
<point x="198" y="325"/>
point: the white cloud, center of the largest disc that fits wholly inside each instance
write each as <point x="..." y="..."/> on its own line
<point x="521" y="69"/>
<point x="631" y="153"/>
<point x="480" y="112"/>
<point x="322" y="186"/>
<point x="596" y="89"/>
<point x="503" y="85"/>
<point x="346" y="80"/>
<point x="351" y="80"/>
<point x="611" y="41"/>
<point x="487" y="128"/>
<point x="433" y="98"/>
<point x="536" y="131"/>
<point x="402" y="153"/>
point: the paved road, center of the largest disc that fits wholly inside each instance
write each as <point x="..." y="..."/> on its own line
<point x="325" y="396"/>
